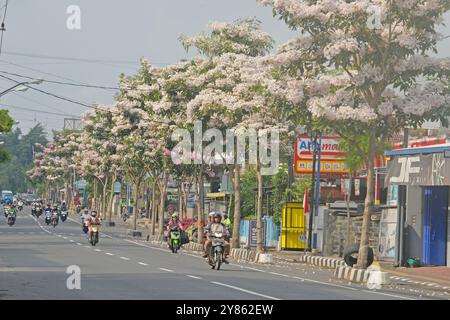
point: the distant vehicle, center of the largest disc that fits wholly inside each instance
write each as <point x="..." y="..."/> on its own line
<point x="7" y="195"/>
<point x="28" y="198"/>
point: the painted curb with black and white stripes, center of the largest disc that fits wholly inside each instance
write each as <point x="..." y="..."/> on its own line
<point x="324" y="262"/>
<point x="352" y="274"/>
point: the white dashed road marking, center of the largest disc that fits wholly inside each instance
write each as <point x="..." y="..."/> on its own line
<point x="143" y="264"/>
<point x="124" y="258"/>
<point x="164" y="269"/>
<point x="109" y="254"/>
<point x="194" y="277"/>
<point x="245" y="290"/>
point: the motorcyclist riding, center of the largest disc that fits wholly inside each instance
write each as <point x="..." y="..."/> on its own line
<point x="217" y="227"/>
<point x="173" y="222"/>
<point x="92" y="220"/>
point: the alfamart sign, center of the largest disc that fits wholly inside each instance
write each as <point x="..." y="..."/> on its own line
<point x="419" y="170"/>
<point x="332" y="158"/>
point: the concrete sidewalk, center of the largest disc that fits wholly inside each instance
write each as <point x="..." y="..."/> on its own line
<point x="437" y="278"/>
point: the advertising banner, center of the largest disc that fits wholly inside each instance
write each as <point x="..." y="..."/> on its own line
<point x="419" y="170"/>
<point x="332" y="161"/>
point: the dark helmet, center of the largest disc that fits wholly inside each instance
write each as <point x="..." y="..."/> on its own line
<point x="94" y="213"/>
<point x="217" y="215"/>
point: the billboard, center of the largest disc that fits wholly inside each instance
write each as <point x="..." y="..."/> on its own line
<point x="332" y="158"/>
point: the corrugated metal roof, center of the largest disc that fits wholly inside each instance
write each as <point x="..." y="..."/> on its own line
<point x="419" y="150"/>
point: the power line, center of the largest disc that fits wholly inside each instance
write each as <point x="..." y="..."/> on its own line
<point x="39" y="111"/>
<point x="42" y="56"/>
<point x="50" y="94"/>
<point x="43" y="72"/>
<point x="62" y="83"/>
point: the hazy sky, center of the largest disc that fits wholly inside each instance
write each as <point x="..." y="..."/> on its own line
<point x="114" y="35"/>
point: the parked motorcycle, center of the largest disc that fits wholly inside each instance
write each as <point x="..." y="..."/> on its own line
<point x="216" y="254"/>
<point x="175" y="239"/>
<point x="93" y="235"/>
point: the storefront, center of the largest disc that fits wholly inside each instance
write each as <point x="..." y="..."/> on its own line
<point x="422" y="178"/>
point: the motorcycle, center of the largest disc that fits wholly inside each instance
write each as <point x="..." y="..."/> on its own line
<point x="93" y="236"/>
<point x="63" y="215"/>
<point x="48" y="217"/>
<point x="175" y="239"/>
<point x="20" y="208"/>
<point x="6" y="211"/>
<point x="54" y="220"/>
<point x="11" y="220"/>
<point x="38" y="211"/>
<point x="216" y="254"/>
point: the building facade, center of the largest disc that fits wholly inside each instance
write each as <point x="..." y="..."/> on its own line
<point x="419" y="182"/>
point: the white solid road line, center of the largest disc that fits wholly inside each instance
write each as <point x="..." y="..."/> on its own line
<point x="143" y="264"/>
<point x="390" y="295"/>
<point x="244" y="290"/>
<point x="164" y="269"/>
<point x="194" y="277"/>
<point x="124" y="258"/>
<point x="325" y="283"/>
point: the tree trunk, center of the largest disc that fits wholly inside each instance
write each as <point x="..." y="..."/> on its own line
<point x="237" y="206"/>
<point x="259" y="233"/>
<point x="147" y="202"/>
<point x="199" y="205"/>
<point x="105" y="187"/>
<point x="161" y="203"/>
<point x="111" y="197"/>
<point x="154" y="207"/>
<point x="368" y="205"/>
<point x="136" y="196"/>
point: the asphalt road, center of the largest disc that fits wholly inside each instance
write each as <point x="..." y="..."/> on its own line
<point x="34" y="259"/>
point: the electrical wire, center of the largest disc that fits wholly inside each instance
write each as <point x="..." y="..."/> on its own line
<point x="40" y="111"/>
<point x="3" y="26"/>
<point x="62" y="83"/>
<point x="42" y="56"/>
<point x="43" y="72"/>
<point x="50" y="94"/>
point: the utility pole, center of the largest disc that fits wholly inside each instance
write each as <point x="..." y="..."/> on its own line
<point x="317" y="193"/>
<point x="313" y="144"/>
<point x="401" y="211"/>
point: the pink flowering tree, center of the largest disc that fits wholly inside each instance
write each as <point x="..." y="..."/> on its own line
<point x="368" y="69"/>
<point x="98" y="156"/>
<point x="235" y="94"/>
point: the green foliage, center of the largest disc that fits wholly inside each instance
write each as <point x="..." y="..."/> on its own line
<point x="18" y="150"/>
